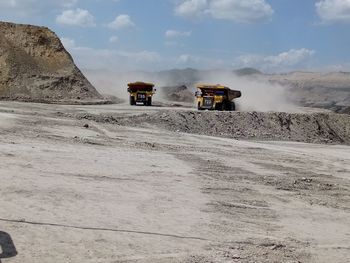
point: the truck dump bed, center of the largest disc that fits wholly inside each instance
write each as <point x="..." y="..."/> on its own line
<point x="140" y="86"/>
<point x="219" y="90"/>
<point x="234" y="94"/>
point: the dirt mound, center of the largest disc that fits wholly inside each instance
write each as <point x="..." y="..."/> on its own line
<point x="316" y="128"/>
<point x="34" y="66"/>
<point x="312" y="128"/>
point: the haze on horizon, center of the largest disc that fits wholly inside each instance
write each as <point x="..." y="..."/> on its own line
<point x="152" y="35"/>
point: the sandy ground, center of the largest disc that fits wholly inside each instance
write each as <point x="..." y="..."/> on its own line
<point x="111" y="193"/>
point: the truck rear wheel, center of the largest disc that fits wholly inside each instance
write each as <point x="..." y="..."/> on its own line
<point x="149" y="101"/>
<point x="132" y="100"/>
<point x="219" y="107"/>
<point x="232" y="106"/>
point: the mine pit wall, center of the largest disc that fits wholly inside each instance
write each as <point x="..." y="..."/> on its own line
<point x="34" y="66"/>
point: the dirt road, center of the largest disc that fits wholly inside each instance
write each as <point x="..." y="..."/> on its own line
<point x="119" y="193"/>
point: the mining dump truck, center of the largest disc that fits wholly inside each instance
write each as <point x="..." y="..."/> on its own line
<point x="141" y="93"/>
<point x="216" y="97"/>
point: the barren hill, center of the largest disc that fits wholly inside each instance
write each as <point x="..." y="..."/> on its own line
<point x="34" y="66"/>
<point x="316" y="89"/>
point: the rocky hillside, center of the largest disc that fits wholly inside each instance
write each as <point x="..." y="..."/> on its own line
<point x="34" y="66"/>
<point x="315" y="89"/>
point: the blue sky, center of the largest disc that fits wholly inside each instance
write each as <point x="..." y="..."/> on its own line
<point x="271" y="35"/>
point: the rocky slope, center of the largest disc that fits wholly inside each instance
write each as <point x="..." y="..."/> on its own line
<point x="34" y="66"/>
<point x="315" y="89"/>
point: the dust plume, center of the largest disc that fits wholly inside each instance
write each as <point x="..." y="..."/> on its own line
<point x="258" y="94"/>
<point x="113" y="83"/>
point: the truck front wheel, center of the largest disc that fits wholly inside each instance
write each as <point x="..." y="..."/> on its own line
<point x="149" y="101"/>
<point x="132" y="100"/>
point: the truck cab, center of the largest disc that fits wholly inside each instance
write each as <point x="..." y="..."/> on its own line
<point x="141" y="93"/>
<point x="216" y="97"/>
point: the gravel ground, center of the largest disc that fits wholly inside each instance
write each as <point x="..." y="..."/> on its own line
<point x="112" y="183"/>
<point x="300" y="127"/>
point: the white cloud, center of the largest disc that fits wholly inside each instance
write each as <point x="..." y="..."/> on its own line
<point x="121" y="22"/>
<point x="331" y="11"/>
<point x="115" y="59"/>
<point x="113" y="39"/>
<point x="280" y="62"/>
<point x="111" y="59"/>
<point x="244" y="11"/>
<point x="191" y="7"/>
<point x="187" y="59"/>
<point x="77" y="17"/>
<point x="175" y="33"/>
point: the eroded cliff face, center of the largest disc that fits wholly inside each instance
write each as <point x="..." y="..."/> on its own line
<point x="34" y="66"/>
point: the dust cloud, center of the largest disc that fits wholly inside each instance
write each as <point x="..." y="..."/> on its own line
<point x="258" y="94"/>
<point x="112" y="83"/>
<point x="115" y="83"/>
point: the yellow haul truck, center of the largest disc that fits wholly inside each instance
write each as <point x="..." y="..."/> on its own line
<point x="216" y="97"/>
<point x="141" y="92"/>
